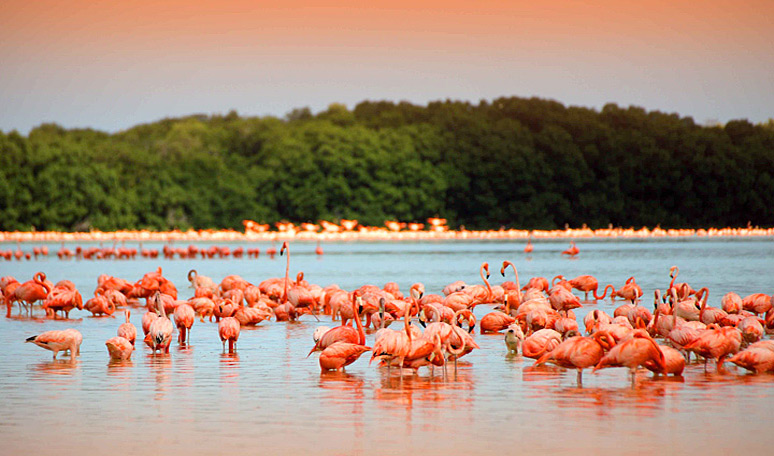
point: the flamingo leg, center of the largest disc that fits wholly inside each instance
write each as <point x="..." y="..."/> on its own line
<point x="579" y="378"/>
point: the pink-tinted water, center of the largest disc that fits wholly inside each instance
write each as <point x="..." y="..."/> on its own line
<point x="270" y="398"/>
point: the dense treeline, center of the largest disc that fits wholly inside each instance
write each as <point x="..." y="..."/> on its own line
<point x="514" y="162"/>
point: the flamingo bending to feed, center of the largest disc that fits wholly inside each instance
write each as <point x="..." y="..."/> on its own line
<point x="119" y="348"/>
<point x="716" y="342"/>
<point x="632" y="353"/>
<point x="579" y="352"/>
<point x="228" y="330"/>
<point x="758" y="357"/>
<point x="56" y="341"/>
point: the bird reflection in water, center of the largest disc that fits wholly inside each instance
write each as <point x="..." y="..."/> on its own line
<point x="160" y="365"/>
<point x="229" y="367"/>
<point x="352" y="385"/>
<point x="56" y="372"/>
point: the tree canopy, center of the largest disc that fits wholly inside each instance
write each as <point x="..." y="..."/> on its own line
<point x="513" y="162"/>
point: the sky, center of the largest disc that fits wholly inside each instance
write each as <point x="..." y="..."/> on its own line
<point x="110" y="65"/>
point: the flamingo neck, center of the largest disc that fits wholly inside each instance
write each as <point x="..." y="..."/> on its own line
<point x="360" y="332"/>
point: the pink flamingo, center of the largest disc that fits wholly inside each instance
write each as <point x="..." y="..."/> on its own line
<point x="572" y="251"/>
<point x="127" y="329"/>
<point x="56" y="341"/>
<point x="578" y="352"/>
<point x="228" y="330"/>
<point x="632" y="353"/>
<point x="184" y="319"/>
<point x="119" y="348"/>
<point x="160" y="331"/>
<point x="341" y="354"/>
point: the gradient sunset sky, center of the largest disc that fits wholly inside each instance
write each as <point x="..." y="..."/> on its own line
<point x="111" y="65"/>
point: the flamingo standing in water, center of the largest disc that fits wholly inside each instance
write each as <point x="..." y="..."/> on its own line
<point x="127" y="329"/>
<point x="395" y="345"/>
<point x="160" y="331"/>
<point x="572" y="251"/>
<point x="341" y="354"/>
<point x="528" y="248"/>
<point x="119" y="348"/>
<point x="579" y="352"/>
<point x="32" y="291"/>
<point x="632" y="353"/>
<point x="184" y="319"/>
<point x="228" y="330"/>
<point x="56" y="341"/>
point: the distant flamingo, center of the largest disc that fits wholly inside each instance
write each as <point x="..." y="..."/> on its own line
<point x="127" y="329"/>
<point x="228" y="330"/>
<point x="318" y="250"/>
<point x="119" y="348"/>
<point x="528" y="248"/>
<point x="572" y="251"/>
<point x="56" y="341"/>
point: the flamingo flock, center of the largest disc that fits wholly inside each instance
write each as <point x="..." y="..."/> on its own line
<point x="537" y="320"/>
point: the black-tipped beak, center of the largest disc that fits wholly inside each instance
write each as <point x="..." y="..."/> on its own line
<point x="472" y="327"/>
<point x="502" y="273"/>
<point x="31" y="339"/>
<point x="421" y="322"/>
<point x="487" y="276"/>
<point x="360" y="309"/>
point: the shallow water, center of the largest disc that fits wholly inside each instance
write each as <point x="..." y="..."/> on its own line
<point x="270" y="398"/>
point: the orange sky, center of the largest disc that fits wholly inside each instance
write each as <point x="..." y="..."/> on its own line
<point x="110" y="65"/>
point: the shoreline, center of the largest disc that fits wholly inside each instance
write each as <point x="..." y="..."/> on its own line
<point x="376" y="234"/>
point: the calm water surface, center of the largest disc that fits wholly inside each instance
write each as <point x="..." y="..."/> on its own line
<point x="270" y="398"/>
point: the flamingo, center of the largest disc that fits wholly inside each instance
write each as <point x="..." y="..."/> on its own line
<point x="758" y="357"/>
<point x="731" y="303"/>
<point x="127" y="329"/>
<point x="341" y="333"/>
<point x="56" y="341"/>
<point x="541" y="342"/>
<point x="716" y="342"/>
<point x="33" y="290"/>
<point x="395" y="345"/>
<point x="572" y="251"/>
<point x="674" y="362"/>
<point x="341" y="354"/>
<point x="228" y="330"/>
<point x="578" y="352"/>
<point x="159" y="334"/>
<point x="184" y="319"/>
<point x="528" y="248"/>
<point x="632" y="353"/>
<point x="200" y="281"/>
<point x="119" y="348"/>
<point x="588" y="283"/>
<point x="758" y="303"/>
